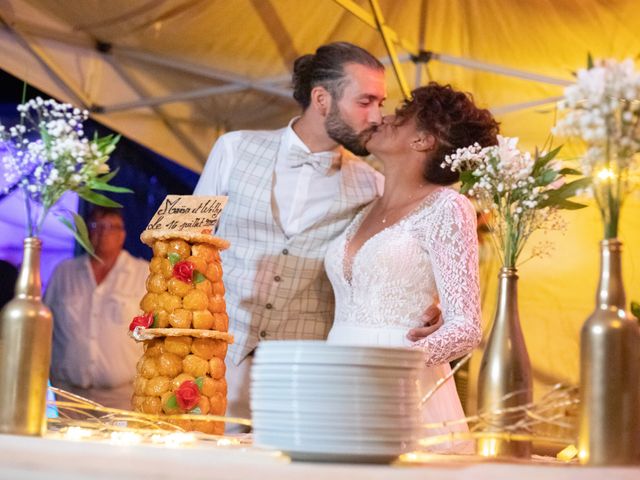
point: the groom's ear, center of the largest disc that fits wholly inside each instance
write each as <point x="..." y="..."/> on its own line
<point x="423" y="142"/>
<point x="321" y="100"/>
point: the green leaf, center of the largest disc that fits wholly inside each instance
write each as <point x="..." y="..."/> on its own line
<point x="173" y="258"/>
<point x="171" y="402"/>
<point x="589" y="61"/>
<point x="547" y="177"/>
<point x="108" y="176"/>
<point x="97" y="185"/>
<point x="81" y="227"/>
<point x="569" y="205"/>
<point x="551" y="154"/>
<point x="198" y="277"/>
<point x="467" y="176"/>
<point x="544" y="160"/>
<point x="97" y="198"/>
<point x="554" y="197"/>
<point x="635" y="309"/>
<point x="570" y="189"/>
<point x="83" y="240"/>
<point x="155" y="321"/>
<point x="199" y="381"/>
<point x="569" y="171"/>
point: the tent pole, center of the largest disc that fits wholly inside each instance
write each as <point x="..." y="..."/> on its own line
<point x="199" y="70"/>
<point x="180" y="136"/>
<point x="514" y="107"/>
<point x="56" y="72"/>
<point x="498" y="69"/>
<point x="391" y="49"/>
<point x="422" y="34"/>
<point x="369" y="19"/>
<point x="176" y="97"/>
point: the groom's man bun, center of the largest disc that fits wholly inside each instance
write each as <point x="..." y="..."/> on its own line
<point x="326" y="68"/>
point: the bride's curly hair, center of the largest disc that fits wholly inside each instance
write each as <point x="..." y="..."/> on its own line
<point x="453" y="119"/>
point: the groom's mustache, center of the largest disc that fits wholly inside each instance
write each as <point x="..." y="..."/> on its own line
<point x="365" y="135"/>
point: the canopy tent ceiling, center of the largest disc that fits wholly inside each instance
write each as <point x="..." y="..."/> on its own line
<point x="174" y="74"/>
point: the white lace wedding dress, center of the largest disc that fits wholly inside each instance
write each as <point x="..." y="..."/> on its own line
<point x="429" y="256"/>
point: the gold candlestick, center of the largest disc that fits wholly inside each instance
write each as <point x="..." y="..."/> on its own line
<point x="26" y="326"/>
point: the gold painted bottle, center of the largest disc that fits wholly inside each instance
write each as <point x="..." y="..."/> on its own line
<point x="609" y="431"/>
<point x="505" y="378"/>
<point x="25" y="350"/>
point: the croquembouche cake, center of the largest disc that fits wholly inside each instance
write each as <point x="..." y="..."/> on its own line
<point x="185" y="330"/>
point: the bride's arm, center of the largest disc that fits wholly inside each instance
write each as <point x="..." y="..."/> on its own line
<point x="452" y="244"/>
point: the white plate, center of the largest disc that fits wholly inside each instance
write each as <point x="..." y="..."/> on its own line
<point x="303" y="352"/>
<point x="337" y="393"/>
<point x="395" y="406"/>
<point x="310" y="441"/>
<point x="347" y="372"/>
<point x="336" y="420"/>
<point x="334" y="451"/>
<point x="346" y="433"/>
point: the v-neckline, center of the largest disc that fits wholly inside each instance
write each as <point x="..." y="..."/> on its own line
<point x="349" y="262"/>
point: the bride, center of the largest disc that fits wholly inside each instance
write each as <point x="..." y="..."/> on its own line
<point x="416" y="245"/>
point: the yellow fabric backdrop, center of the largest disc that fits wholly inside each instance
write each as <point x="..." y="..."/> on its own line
<point x="155" y="49"/>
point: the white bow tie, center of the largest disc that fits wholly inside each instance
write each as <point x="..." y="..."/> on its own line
<point x="322" y="162"/>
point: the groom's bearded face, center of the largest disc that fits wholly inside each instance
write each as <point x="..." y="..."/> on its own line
<point x="355" y="108"/>
<point x="341" y="132"/>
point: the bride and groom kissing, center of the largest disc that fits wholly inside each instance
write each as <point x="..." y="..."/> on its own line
<point x="322" y="246"/>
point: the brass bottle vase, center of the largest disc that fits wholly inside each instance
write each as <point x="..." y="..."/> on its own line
<point x="25" y="350"/>
<point x="505" y="379"/>
<point x="609" y="432"/>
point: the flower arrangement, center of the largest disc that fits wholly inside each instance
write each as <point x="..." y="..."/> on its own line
<point x="603" y="109"/>
<point x="47" y="154"/>
<point x="518" y="192"/>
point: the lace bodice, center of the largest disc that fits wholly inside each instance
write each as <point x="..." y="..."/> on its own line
<point x="430" y="255"/>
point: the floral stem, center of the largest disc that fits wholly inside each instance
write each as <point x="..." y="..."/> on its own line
<point x="27" y="203"/>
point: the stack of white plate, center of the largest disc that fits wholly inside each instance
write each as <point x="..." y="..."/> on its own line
<point x="322" y="402"/>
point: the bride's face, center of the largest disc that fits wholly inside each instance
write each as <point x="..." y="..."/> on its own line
<point x="394" y="135"/>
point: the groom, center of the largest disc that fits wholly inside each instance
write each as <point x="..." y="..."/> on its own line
<point x="291" y="192"/>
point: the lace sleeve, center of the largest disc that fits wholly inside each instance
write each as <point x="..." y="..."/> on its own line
<point x="452" y="245"/>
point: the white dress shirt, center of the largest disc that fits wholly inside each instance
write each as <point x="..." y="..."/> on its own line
<point x="91" y="346"/>
<point x="302" y="195"/>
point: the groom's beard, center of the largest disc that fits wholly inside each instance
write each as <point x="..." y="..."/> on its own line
<point x="344" y="134"/>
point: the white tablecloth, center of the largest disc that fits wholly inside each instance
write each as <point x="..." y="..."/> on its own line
<point x="40" y="458"/>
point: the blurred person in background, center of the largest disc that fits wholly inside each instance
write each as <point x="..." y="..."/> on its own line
<point x="93" y="301"/>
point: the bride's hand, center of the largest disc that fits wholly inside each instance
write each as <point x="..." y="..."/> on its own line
<point x="432" y="321"/>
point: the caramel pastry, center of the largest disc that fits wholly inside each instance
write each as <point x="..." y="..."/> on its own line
<point x="195" y="366"/>
<point x="180" y="346"/>
<point x="156" y="386"/>
<point x="169" y="364"/>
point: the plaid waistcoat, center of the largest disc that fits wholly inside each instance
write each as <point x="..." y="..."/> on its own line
<point x="276" y="287"/>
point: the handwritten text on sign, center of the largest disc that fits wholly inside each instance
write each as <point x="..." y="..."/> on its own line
<point x="188" y="213"/>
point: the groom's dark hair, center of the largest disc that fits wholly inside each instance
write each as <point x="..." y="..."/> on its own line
<point x="326" y="68"/>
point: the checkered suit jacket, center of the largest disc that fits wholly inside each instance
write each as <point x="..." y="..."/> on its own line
<point x="276" y="287"/>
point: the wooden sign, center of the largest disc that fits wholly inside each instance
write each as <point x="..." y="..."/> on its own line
<point x="187" y="214"/>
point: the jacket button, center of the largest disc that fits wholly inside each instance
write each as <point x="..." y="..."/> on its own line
<point x="277" y="278"/>
<point x="263" y="334"/>
<point x="268" y="306"/>
<point x="285" y="252"/>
